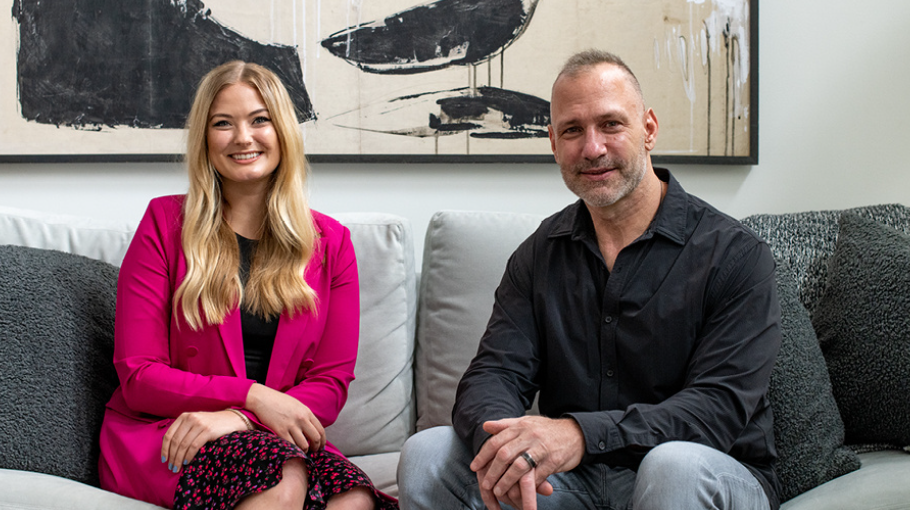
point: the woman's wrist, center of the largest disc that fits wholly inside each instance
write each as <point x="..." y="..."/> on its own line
<point x="253" y="397"/>
<point x="246" y="421"/>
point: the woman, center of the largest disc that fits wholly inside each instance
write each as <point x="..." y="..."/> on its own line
<point x="237" y="323"/>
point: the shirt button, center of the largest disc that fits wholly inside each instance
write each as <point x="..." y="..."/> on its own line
<point x="602" y="445"/>
<point x="609" y="373"/>
<point x="608" y="319"/>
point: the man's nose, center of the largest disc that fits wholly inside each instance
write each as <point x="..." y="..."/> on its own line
<point x="594" y="144"/>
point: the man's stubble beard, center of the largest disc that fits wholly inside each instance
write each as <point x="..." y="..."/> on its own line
<point x="605" y="194"/>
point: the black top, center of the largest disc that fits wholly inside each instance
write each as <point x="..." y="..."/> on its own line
<point x="258" y="333"/>
<point x="676" y="344"/>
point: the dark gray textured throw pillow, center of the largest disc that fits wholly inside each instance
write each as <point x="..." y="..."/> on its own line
<point x="56" y="350"/>
<point x="808" y="430"/>
<point x="863" y="325"/>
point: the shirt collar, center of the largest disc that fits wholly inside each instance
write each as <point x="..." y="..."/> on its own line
<point x="670" y="220"/>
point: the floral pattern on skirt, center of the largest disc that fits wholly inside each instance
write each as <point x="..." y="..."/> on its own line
<point x="247" y="462"/>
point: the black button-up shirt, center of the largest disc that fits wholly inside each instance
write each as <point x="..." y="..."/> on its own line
<point x="676" y="343"/>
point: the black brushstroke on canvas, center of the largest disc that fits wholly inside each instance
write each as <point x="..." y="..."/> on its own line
<point x="485" y="112"/>
<point x="433" y="35"/>
<point x="93" y="63"/>
<point x="523" y="115"/>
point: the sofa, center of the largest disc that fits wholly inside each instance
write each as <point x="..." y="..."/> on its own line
<point x="419" y="329"/>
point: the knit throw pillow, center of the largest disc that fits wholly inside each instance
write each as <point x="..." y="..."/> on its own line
<point x="56" y="351"/>
<point x="863" y="325"/>
<point x="808" y="430"/>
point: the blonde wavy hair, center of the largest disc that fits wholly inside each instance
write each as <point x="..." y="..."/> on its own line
<point x="212" y="286"/>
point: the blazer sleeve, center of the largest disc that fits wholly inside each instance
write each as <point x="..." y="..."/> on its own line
<point x="324" y="378"/>
<point x="144" y="331"/>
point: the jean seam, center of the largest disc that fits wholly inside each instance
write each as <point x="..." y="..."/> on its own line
<point x="466" y="493"/>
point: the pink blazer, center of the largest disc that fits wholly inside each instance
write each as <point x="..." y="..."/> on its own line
<point x="165" y="370"/>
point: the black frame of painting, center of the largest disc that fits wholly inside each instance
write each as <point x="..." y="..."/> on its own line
<point x="751" y="159"/>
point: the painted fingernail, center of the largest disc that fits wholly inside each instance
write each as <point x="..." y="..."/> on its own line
<point x="185" y="462"/>
<point x="163" y="459"/>
<point x="170" y="467"/>
<point x="176" y="468"/>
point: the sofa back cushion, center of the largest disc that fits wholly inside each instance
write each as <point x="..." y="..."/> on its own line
<point x="464" y="257"/>
<point x="805" y="241"/>
<point x="808" y="429"/>
<point x="56" y="346"/>
<point x="862" y="325"/>
<point x="379" y="414"/>
<point x="101" y="240"/>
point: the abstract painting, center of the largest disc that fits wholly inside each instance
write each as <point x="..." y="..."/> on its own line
<point x="373" y="80"/>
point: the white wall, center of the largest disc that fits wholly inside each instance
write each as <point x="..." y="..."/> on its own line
<point x="834" y="122"/>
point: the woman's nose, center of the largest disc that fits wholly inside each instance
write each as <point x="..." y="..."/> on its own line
<point x="243" y="135"/>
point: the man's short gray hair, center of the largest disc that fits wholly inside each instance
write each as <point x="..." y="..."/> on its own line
<point x="592" y="57"/>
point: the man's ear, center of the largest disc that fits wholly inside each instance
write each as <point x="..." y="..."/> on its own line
<point x="651" y="129"/>
<point x="552" y="141"/>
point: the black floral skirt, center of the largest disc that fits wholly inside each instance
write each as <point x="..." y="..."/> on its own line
<point x="248" y="462"/>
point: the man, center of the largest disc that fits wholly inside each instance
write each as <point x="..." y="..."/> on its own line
<point x="647" y="321"/>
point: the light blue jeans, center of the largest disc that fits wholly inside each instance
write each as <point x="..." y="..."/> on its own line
<point x="433" y="474"/>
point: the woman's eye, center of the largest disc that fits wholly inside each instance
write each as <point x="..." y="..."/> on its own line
<point x="261" y="120"/>
<point x="221" y="123"/>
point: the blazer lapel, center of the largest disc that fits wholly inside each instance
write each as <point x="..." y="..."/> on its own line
<point x="291" y="333"/>
<point x="232" y="336"/>
<point x="288" y="339"/>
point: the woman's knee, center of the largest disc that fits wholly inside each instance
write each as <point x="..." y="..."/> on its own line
<point x="290" y="492"/>
<point x="293" y="485"/>
<point x="358" y="498"/>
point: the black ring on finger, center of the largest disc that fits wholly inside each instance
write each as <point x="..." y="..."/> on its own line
<point x="530" y="460"/>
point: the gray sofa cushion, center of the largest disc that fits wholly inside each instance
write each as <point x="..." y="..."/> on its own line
<point x="805" y="241"/>
<point x="861" y="320"/>
<point x="808" y="429"/>
<point x="379" y="413"/>
<point x="881" y="484"/>
<point x="102" y="240"/>
<point x="35" y="491"/>
<point x="57" y="323"/>
<point x="464" y="258"/>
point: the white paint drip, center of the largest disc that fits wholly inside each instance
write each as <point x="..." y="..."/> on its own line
<point x="692" y="80"/>
<point x="720" y="40"/>
<point x="686" y="67"/>
<point x="272" y="21"/>
<point x="355" y="6"/>
<point x="303" y="45"/>
<point x="657" y="52"/>
<point x="728" y="20"/>
<point x="318" y="27"/>
<point x="734" y="13"/>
